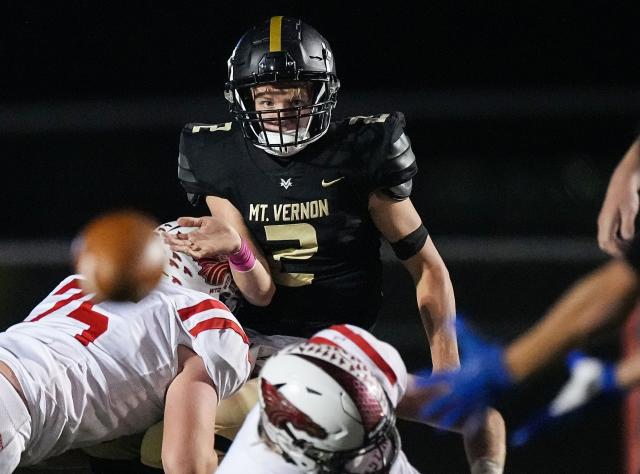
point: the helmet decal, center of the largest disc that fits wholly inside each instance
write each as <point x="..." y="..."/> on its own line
<point x="281" y="411"/>
<point x="275" y="34"/>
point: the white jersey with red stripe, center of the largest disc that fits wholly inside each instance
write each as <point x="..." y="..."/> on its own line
<point x="382" y="358"/>
<point x="94" y="372"/>
<point x="249" y="453"/>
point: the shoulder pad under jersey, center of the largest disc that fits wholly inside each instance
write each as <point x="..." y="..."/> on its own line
<point x="206" y="154"/>
<point x="386" y="149"/>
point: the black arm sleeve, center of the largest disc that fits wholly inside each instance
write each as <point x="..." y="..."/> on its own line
<point x="204" y="159"/>
<point x="392" y="163"/>
<point x="188" y="181"/>
<point x="401" y="166"/>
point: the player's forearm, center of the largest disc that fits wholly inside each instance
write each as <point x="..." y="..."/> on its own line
<point x="436" y="302"/>
<point x="248" y="264"/>
<point x="602" y="297"/>
<point x="255" y="284"/>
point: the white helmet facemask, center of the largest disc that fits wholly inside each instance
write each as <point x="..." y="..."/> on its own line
<point x="287" y="143"/>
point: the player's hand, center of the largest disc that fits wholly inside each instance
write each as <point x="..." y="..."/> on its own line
<point x="616" y="221"/>
<point x="456" y="397"/>
<point x="212" y="237"/>
<point x="590" y="378"/>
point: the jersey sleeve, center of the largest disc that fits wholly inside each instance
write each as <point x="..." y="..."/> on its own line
<point x="218" y="338"/>
<point x="382" y="358"/>
<point x="386" y="149"/>
<point x="202" y="160"/>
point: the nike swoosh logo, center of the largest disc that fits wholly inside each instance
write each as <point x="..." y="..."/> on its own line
<point x="326" y="184"/>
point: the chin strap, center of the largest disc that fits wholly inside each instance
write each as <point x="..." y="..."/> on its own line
<point x="284" y="151"/>
<point x="282" y="145"/>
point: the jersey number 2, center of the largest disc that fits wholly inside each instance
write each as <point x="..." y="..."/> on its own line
<point x="307" y="240"/>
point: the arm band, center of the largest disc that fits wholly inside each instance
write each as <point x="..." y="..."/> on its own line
<point x="243" y="260"/>
<point x="410" y="244"/>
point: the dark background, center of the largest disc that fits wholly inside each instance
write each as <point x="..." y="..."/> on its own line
<point x="518" y="113"/>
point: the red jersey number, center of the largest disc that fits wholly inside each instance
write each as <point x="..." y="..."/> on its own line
<point x="98" y="323"/>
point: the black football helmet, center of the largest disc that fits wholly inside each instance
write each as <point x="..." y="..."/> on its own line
<point x="282" y="51"/>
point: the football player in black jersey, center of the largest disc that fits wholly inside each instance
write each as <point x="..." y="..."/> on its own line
<point x="302" y="201"/>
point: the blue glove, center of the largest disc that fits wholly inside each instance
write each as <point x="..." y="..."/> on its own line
<point x="456" y="396"/>
<point x="590" y="378"/>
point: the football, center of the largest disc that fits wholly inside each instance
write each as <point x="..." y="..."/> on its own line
<point x="119" y="256"/>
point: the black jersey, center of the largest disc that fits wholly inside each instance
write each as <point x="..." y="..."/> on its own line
<point x="309" y="214"/>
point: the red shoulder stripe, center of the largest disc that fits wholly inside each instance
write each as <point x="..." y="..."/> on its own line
<point x="362" y="343"/>
<point x="323" y="340"/>
<point x="218" y="323"/>
<point x="205" y="305"/>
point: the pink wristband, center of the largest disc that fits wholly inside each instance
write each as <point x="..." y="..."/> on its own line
<point x="243" y="260"/>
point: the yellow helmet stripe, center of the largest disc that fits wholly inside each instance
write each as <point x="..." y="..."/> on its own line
<point x="275" y="34"/>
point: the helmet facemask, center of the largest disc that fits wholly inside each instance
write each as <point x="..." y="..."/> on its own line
<point x="376" y="457"/>
<point x="284" y="131"/>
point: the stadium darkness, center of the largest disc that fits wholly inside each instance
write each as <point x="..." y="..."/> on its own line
<point x="87" y="49"/>
<point x="517" y="112"/>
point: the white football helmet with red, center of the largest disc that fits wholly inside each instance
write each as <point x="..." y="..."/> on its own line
<point x="324" y="411"/>
<point x="210" y="275"/>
